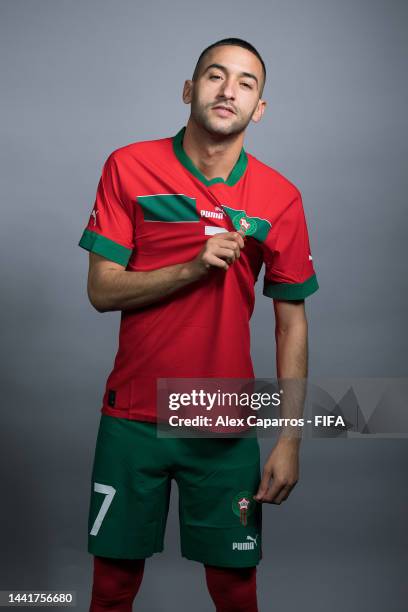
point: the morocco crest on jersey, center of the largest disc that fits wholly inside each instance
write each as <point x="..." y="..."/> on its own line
<point x="245" y="224"/>
<point x="243" y="505"/>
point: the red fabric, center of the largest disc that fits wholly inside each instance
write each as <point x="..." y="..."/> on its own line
<point x="232" y="589"/>
<point x="202" y="331"/>
<point x="115" y="583"/>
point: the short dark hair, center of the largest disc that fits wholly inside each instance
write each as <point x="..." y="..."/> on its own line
<point x="238" y="42"/>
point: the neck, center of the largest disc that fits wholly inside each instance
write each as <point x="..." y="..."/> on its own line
<point x="213" y="157"/>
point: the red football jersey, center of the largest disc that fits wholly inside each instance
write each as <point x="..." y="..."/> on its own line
<point x="153" y="209"/>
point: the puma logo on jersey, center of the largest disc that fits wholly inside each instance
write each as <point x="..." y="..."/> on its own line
<point x="93" y="215"/>
<point x="246" y="545"/>
<point x="210" y="214"/>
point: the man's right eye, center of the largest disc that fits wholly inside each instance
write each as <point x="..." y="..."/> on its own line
<point x="215" y="76"/>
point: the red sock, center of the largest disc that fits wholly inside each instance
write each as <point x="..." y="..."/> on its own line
<point x="232" y="589"/>
<point x="115" y="583"/>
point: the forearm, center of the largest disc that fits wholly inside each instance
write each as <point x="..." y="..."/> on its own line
<point x="292" y="367"/>
<point x="126" y="290"/>
<point x="292" y="351"/>
<point x="111" y="287"/>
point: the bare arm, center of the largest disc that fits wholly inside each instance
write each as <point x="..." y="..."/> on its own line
<point x="291" y="339"/>
<point x="281" y="470"/>
<point x="112" y="287"/>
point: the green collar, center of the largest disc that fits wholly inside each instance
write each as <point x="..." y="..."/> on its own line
<point x="236" y="173"/>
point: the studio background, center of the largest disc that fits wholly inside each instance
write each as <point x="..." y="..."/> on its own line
<point x="82" y="78"/>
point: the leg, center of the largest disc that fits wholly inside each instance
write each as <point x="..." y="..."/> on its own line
<point x="128" y="510"/>
<point x="115" y="583"/>
<point x="232" y="589"/>
<point x="220" y="522"/>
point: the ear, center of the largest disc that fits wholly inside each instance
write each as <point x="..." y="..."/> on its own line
<point x="188" y="91"/>
<point x="259" y="111"/>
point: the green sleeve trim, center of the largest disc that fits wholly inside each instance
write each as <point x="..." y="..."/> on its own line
<point x="290" y="291"/>
<point x="105" y="247"/>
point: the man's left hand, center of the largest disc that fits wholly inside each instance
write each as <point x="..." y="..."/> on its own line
<point x="280" y="473"/>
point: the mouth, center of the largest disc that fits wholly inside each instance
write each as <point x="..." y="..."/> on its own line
<point x="224" y="111"/>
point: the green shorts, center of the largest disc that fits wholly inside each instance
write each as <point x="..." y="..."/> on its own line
<point x="220" y="522"/>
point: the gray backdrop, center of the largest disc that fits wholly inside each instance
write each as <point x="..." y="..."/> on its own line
<point x="81" y="78"/>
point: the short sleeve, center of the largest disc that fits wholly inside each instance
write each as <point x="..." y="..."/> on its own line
<point x="110" y="230"/>
<point x="289" y="271"/>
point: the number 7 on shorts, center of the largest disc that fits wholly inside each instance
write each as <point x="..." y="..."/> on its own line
<point x="110" y="494"/>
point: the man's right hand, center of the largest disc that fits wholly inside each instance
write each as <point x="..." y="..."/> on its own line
<point x="220" y="251"/>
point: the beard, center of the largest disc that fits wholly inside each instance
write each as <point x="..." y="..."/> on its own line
<point x="216" y="126"/>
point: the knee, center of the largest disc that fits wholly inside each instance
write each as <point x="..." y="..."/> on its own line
<point x="232" y="589"/>
<point x="115" y="583"/>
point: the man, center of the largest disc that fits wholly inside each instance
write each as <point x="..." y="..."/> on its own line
<point x="180" y="229"/>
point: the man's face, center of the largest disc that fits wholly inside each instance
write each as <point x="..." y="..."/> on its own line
<point x="226" y="94"/>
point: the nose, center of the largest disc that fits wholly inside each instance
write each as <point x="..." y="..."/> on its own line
<point x="228" y="89"/>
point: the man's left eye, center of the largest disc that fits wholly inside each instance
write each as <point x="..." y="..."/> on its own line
<point x="247" y="85"/>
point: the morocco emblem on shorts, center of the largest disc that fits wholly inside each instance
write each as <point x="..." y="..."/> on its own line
<point x="243" y="505"/>
<point x="245" y="224"/>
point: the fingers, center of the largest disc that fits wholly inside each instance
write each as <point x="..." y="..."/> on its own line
<point x="215" y="261"/>
<point x="227" y="247"/>
<point x="284" y="494"/>
<point x="238" y="237"/>
<point x="229" y="254"/>
<point x="274" y="493"/>
<point x="222" y="250"/>
<point x="263" y="486"/>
